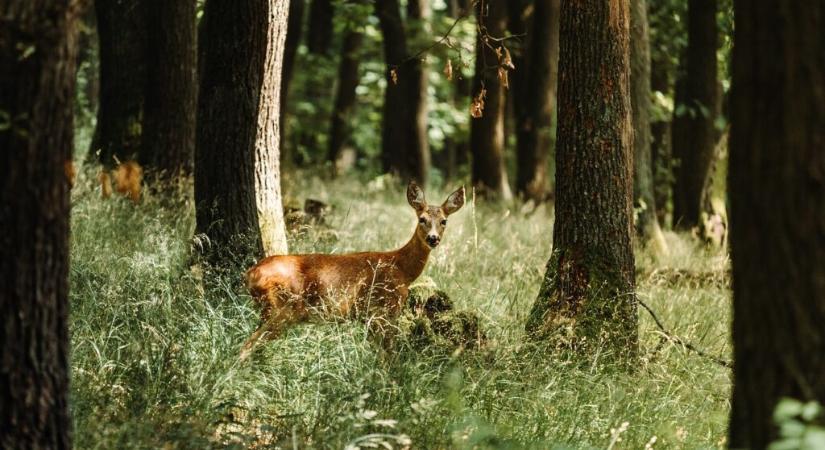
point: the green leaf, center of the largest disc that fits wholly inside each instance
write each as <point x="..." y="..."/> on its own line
<point x="814" y="439"/>
<point x="786" y="409"/>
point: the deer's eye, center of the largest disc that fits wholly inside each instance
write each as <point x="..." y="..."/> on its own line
<point x="444" y="222"/>
<point x="422" y="220"/>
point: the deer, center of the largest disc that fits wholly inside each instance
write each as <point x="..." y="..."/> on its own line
<point x="367" y="286"/>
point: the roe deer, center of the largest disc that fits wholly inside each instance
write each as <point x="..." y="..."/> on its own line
<point x="370" y="286"/>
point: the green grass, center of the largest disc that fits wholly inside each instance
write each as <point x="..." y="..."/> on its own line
<point x="154" y="352"/>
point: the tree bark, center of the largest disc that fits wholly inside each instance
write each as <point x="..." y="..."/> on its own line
<point x="697" y="136"/>
<point x="404" y="147"/>
<point x="777" y="195"/>
<point x="660" y="149"/>
<point x="647" y="223"/>
<point x="171" y="89"/>
<point x="319" y="37"/>
<point x="38" y="45"/>
<point x="535" y="99"/>
<point x="237" y="171"/>
<point x="340" y="129"/>
<point x="122" y="32"/>
<point x="457" y="145"/>
<point x="295" y="29"/>
<point x="489" y="174"/>
<point x="587" y="296"/>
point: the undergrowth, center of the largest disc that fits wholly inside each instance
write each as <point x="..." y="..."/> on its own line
<point x="155" y="353"/>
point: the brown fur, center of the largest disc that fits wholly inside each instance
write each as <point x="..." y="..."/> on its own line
<point x="368" y="286"/>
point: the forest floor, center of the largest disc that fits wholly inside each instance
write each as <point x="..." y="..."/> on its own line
<point x="155" y="352"/>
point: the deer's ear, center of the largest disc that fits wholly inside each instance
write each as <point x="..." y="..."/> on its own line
<point x="454" y="202"/>
<point x="415" y="196"/>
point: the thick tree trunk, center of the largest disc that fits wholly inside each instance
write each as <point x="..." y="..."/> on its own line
<point x="777" y="194"/>
<point x="237" y="172"/>
<point x="319" y="35"/>
<point x="404" y="148"/>
<point x="588" y="289"/>
<point x="647" y="223"/>
<point x="489" y="173"/>
<point x="122" y="32"/>
<point x="340" y="129"/>
<point x="295" y="28"/>
<point x="38" y="42"/>
<point x="535" y="97"/>
<point x="171" y="89"/>
<point x="697" y="136"/>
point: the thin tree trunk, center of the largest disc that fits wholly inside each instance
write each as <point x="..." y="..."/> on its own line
<point x="536" y="99"/>
<point x="122" y="32"/>
<point x="171" y="89"/>
<point x="402" y="149"/>
<point x="456" y="146"/>
<point x="38" y="45"/>
<point x="696" y="133"/>
<point x="660" y="145"/>
<point x="319" y="36"/>
<point x="340" y="129"/>
<point x="489" y="174"/>
<point x="777" y="195"/>
<point x="237" y="173"/>
<point x="589" y="283"/>
<point x="295" y="29"/>
<point x="647" y="223"/>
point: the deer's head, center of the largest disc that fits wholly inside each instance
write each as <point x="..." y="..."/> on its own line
<point x="432" y="219"/>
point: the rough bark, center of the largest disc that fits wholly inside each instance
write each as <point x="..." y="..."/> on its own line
<point x="319" y="35"/>
<point x="587" y="296"/>
<point x="171" y="90"/>
<point x="340" y="130"/>
<point x="647" y="223"/>
<point x="404" y="147"/>
<point x="696" y="134"/>
<point x="535" y="99"/>
<point x="38" y="44"/>
<point x="777" y="195"/>
<point x="122" y="32"/>
<point x="295" y="28"/>
<point x="237" y="171"/>
<point x="489" y="175"/>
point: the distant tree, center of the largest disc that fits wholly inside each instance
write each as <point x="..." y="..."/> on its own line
<point x="171" y="90"/>
<point x="535" y="95"/>
<point x="404" y="144"/>
<point x="345" y="97"/>
<point x="694" y="136"/>
<point x="319" y="36"/>
<point x="777" y="205"/>
<point x="295" y="29"/>
<point x="122" y="32"/>
<point x="457" y="145"/>
<point x="487" y="136"/>
<point x="37" y="90"/>
<point x="647" y="222"/>
<point x="588" y="287"/>
<point x="237" y="170"/>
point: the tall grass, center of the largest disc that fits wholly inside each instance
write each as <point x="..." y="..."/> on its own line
<point x="154" y="347"/>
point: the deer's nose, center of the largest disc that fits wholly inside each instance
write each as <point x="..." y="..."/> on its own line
<point x="432" y="240"/>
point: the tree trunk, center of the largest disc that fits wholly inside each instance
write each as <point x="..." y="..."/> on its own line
<point x="38" y="42"/>
<point x="122" y="32"/>
<point x="660" y="145"/>
<point x="697" y="136"/>
<point x="777" y="195"/>
<point x="340" y="129"/>
<point x="489" y="174"/>
<point x="535" y="96"/>
<point x="319" y="36"/>
<point x="457" y="146"/>
<point x="295" y="28"/>
<point x="404" y="148"/>
<point x="171" y="89"/>
<point x="647" y="223"/>
<point x="237" y="172"/>
<point x="588" y="288"/>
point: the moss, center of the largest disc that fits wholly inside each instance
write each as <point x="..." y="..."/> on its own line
<point x="430" y="321"/>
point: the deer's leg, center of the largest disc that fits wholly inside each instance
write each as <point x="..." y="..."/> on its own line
<point x="277" y="313"/>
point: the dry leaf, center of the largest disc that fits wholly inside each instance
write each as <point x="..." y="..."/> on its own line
<point x="503" y="77"/>
<point x="477" y="106"/>
<point x="394" y="76"/>
<point x="448" y="70"/>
